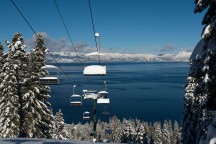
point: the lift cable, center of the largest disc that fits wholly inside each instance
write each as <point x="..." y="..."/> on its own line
<point x="92" y="21"/>
<point x="67" y="31"/>
<point x="24" y="18"/>
<point x="37" y="36"/>
<point x="93" y="27"/>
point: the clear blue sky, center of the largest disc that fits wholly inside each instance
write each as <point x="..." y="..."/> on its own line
<point x="130" y="26"/>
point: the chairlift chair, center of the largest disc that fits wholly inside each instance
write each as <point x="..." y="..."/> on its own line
<point x="103" y="97"/>
<point x="95" y="70"/>
<point x="76" y="100"/>
<point x="50" y="79"/>
<point x="86" y="115"/>
<point x="89" y="94"/>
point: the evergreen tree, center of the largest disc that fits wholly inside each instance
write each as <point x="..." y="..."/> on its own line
<point x="40" y="119"/>
<point x="148" y="133"/>
<point x="101" y="136"/>
<point x="141" y="137"/>
<point x="170" y="128"/>
<point x="166" y="135"/>
<point x="17" y="62"/>
<point x="60" y="131"/>
<point x="81" y="132"/>
<point x="128" y="131"/>
<point x="25" y="109"/>
<point x="9" y="100"/>
<point x="149" y="130"/>
<point x="157" y="135"/>
<point x="23" y="82"/>
<point x="200" y="88"/>
<point x="176" y="133"/>
<point x="115" y="127"/>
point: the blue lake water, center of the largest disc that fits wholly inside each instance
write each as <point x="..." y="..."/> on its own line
<point x="148" y="91"/>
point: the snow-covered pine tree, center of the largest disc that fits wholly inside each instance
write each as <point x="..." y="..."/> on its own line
<point x="176" y="133"/>
<point x="101" y="126"/>
<point x="200" y="93"/>
<point x="39" y="117"/>
<point x="60" y="131"/>
<point x="20" y="63"/>
<point x="9" y="99"/>
<point x="16" y="64"/>
<point x="149" y="131"/>
<point x="166" y="135"/>
<point x="157" y="135"/>
<point x="128" y="132"/>
<point x="170" y="128"/>
<point x="141" y="137"/>
<point x="191" y="108"/>
<point x="81" y="132"/>
<point x="24" y="94"/>
<point x="115" y="127"/>
<point x="88" y="130"/>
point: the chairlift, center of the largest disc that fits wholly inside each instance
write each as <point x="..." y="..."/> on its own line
<point x="50" y="79"/>
<point x="89" y="94"/>
<point x="103" y="97"/>
<point x="86" y="115"/>
<point x="95" y="70"/>
<point x="76" y="100"/>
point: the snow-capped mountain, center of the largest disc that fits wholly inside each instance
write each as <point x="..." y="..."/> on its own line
<point x="66" y="57"/>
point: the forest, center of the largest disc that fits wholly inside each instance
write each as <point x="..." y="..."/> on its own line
<point x="127" y="131"/>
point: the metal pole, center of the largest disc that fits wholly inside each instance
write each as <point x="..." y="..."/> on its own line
<point x="94" y="120"/>
<point x="98" y="44"/>
<point x="97" y="36"/>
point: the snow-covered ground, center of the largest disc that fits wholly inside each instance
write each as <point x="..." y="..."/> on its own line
<point x="39" y="141"/>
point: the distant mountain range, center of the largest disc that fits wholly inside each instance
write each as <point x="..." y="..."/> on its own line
<point x="70" y="57"/>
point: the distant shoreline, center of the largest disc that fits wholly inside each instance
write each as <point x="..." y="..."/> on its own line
<point x="70" y="57"/>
